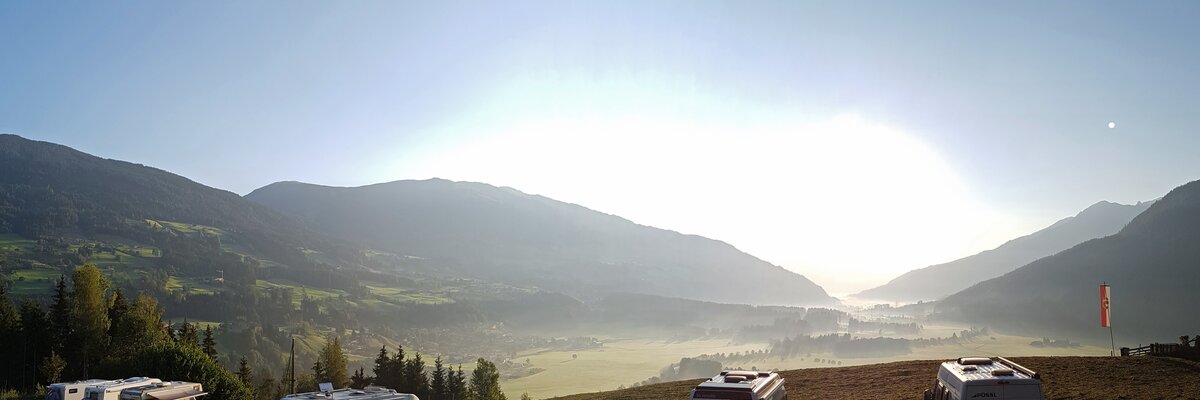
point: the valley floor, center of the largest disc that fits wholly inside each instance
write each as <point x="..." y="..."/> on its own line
<point x="1065" y="378"/>
<point x="628" y="361"/>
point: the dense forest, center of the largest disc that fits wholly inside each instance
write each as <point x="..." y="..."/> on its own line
<point x="91" y="329"/>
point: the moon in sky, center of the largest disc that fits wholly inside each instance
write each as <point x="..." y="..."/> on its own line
<point x="1112" y="125"/>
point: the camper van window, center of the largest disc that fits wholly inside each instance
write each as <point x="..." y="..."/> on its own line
<point x="721" y="394"/>
<point x="74" y="390"/>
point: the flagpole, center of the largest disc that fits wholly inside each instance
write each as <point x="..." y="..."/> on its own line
<point x="1106" y="312"/>
<point x="1113" y="342"/>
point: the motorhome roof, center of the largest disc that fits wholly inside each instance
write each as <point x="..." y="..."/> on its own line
<point x="87" y="382"/>
<point x="123" y="384"/>
<point x="166" y="391"/>
<point x="368" y="393"/>
<point x="749" y="381"/>
<point x="976" y="370"/>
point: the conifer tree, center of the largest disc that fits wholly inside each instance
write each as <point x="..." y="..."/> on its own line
<point x="35" y="332"/>
<point x="187" y="334"/>
<point x="485" y="382"/>
<point x="359" y="380"/>
<point x="10" y="333"/>
<point x="382" y="363"/>
<point x="414" y="375"/>
<point x="333" y="361"/>
<point x="209" y="345"/>
<point x="244" y="373"/>
<point x="437" y="382"/>
<point x="60" y="317"/>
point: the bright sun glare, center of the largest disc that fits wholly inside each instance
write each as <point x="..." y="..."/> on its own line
<point x="845" y="201"/>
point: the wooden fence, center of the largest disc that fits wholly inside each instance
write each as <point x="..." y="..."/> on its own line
<point x="1185" y="346"/>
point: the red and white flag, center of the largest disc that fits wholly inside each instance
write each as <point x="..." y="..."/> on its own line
<point x="1105" y="304"/>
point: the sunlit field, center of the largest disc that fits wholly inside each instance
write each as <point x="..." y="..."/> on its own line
<point x="619" y="362"/>
<point x="627" y="361"/>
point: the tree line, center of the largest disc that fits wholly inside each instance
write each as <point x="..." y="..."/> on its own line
<point x="89" y="330"/>
<point x="395" y="370"/>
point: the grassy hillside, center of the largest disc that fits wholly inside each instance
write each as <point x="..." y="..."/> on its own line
<point x="1064" y="378"/>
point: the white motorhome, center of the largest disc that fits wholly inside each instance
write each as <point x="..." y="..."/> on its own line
<point x="742" y="385"/>
<point x="71" y="390"/>
<point x="165" y="391"/>
<point x="112" y="390"/>
<point x="984" y="378"/>
<point x="367" y="393"/>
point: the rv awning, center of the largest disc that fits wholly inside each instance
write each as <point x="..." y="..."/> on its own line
<point x="177" y="394"/>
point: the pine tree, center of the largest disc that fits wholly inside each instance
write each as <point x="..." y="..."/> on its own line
<point x="209" y="345"/>
<point x="359" y="380"/>
<point x="60" y="317"/>
<point x="485" y="381"/>
<point x="10" y="333"/>
<point x="437" y="382"/>
<point x="318" y="375"/>
<point x="118" y="328"/>
<point x="456" y="386"/>
<point x="396" y="371"/>
<point x="414" y="375"/>
<point x="35" y="340"/>
<point x="91" y="316"/>
<point x="244" y="373"/>
<point x="382" y="363"/>
<point x="187" y="335"/>
<point x="334" y="361"/>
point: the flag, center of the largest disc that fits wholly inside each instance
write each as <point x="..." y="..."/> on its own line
<point x="1105" y="292"/>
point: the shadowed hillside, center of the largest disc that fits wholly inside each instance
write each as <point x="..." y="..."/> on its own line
<point x="937" y="281"/>
<point x="1153" y="266"/>
<point x="505" y="235"/>
<point x="1064" y="378"/>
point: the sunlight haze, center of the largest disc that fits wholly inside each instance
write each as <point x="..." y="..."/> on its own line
<point x="849" y="142"/>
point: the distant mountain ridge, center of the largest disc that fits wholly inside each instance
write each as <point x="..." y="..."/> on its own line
<point x="506" y="235"/>
<point x="1153" y="265"/>
<point x="937" y="281"/>
<point x="41" y="177"/>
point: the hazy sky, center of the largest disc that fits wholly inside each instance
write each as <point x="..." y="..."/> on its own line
<point x="849" y="141"/>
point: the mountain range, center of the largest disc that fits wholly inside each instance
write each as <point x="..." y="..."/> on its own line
<point x="1153" y="265"/>
<point x="334" y="237"/>
<point x="502" y="234"/>
<point x="941" y="280"/>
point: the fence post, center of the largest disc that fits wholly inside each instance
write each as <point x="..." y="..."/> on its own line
<point x="1124" y="352"/>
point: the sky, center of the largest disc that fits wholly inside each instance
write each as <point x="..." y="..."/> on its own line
<point x="848" y="141"/>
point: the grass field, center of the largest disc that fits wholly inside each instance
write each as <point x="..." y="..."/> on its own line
<point x="619" y="362"/>
<point x="623" y="362"/>
<point x="31" y="282"/>
<point x="10" y="242"/>
<point x="400" y="295"/>
<point x="1064" y="378"/>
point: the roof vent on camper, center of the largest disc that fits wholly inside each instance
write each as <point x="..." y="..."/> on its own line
<point x="1002" y="372"/>
<point x="970" y="368"/>
<point x="734" y="378"/>
<point x="974" y="361"/>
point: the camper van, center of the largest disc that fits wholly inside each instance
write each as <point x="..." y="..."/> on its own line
<point x="984" y="378"/>
<point x="368" y="393"/>
<point x="742" y="385"/>
<point x="71" y="390"/>
<point x="165" y="391"/>
<point x="112" y="390"/>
